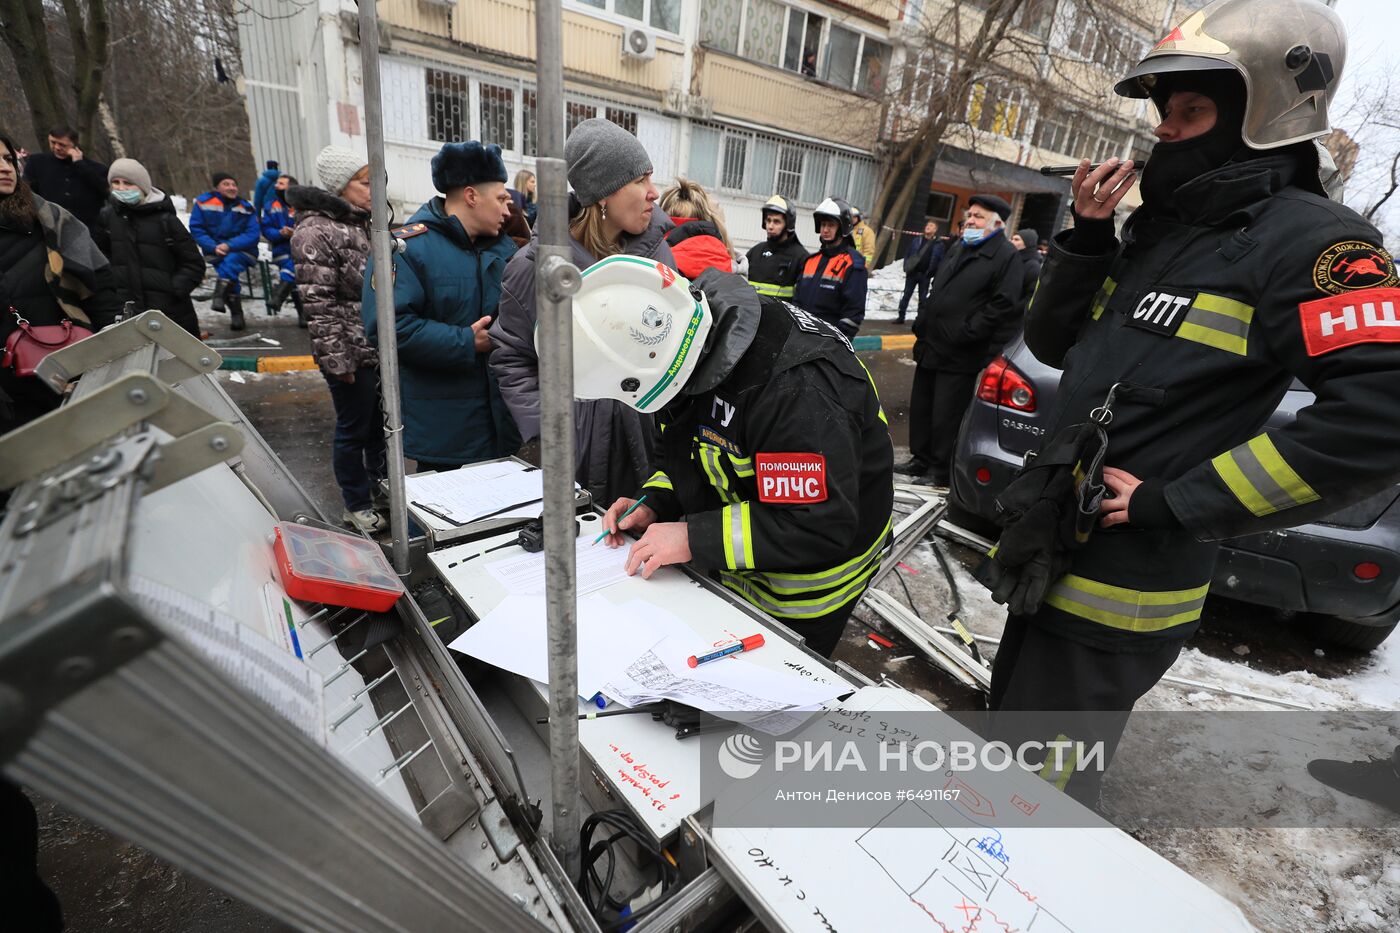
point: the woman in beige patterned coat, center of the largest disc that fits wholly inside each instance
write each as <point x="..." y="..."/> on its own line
<point x="330" y="247"/>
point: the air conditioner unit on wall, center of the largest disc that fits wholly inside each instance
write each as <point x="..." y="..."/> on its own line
<point x="638" y="43"/>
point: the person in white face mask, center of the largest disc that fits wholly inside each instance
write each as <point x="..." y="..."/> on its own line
<point x="156" y="264"/>
<point x="975" y="297"/>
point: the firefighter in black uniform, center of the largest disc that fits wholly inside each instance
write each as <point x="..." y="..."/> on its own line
<point x="834" y="278"/>
<point x="776" y="263"/>
<point x="1236" y="275"/>
<point x="775" y="462"/>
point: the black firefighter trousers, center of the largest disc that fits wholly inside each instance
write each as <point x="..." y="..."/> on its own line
<point x="937" y="404"/>
<point x="1037" y="670"/>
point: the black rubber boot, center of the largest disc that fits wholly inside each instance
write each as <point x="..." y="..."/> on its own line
<point x="1376" y="780"/>
<point x="235" y="313"/>
<point x="302" y="319"/>
<point x="220" y="295"/>
<point x="280" y="292"/>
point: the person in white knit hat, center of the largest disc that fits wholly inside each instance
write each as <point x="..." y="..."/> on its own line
<point x="330" y="248"/>
<point x="156" y="263"/>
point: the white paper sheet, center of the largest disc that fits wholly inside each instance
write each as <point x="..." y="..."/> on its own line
<point x="248" y="657"/>
<point x="477" y="490"/>
<point x="514" y="636"/>
<point x="597" y="567"/>
<point x="728" y="685"/>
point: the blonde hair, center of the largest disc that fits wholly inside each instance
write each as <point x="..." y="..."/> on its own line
<point x="690" y="200"/>
<point x="521" y="177"/>
<point x="587" y="228"/>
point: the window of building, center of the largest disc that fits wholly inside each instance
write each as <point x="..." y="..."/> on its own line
<point x="627" y="119"/>
<point x="788" y="183"/>
<point x="804" y="40"/>
<point x="719" y="24"/>
<point x="1052" y="131"/>
<point x="763" y="31"/>
<point x="736" y="150"/>
<point x="763" y="163"/>
<point x="874" y="65"/>
<point x="529" y="123"/>
<point x="659" y="14"/>
<point x="575" y="113"/>
<point x="1036" y="17"/>
<point x="940" y="208"/>
<point x="842" y="50"/>
<point x="449" y="106"/>
<point x="497" y="113"/>
<point x="997" y="108"/>
<point x="1114" y="47"/>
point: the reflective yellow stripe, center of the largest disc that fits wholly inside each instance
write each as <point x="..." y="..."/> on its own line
<point x="714" y="469"/>
<point x="797" y="608"/>
<point x="774" y="291"/>
<point x="1261" y="479"/>
<point x="1218" y="322"/>
<point x="1035" y="291"/>
<point x="875" y="389"/>
<point x="780" y="583"/>
<point x="743" y="466"/>
<point x="1123" y="608"/>
<point x="1060" y="778"/>
<point x="1101" y="299"/>
<point x="659" y="480"/>
<point x="738" y="536"/>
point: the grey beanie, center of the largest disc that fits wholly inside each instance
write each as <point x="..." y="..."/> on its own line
<point x="1029" y="237"/>
<point x="133" y="172"/>
<point x="602" y="157"/>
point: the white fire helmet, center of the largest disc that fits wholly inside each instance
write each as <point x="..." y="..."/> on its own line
<point x="639" y="329"/>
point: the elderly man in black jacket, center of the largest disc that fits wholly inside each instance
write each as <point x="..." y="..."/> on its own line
<point x="975" y="296"/>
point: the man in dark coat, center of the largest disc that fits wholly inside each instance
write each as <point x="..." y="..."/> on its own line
<point x="155" y="262"/>
<point x="64" y="176"/>
<point x="921" y="263"/>
<point x="447" y="282"/>
<point x="976" y="293"/>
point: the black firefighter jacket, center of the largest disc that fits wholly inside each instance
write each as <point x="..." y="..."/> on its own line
<point x="775" y="266"/>
<point x="1204" y="322"/>
<point x="783" y="470"/>
<point x="975" y="297"/>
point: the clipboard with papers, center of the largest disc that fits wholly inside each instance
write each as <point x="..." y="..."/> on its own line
<point x="477" y="499"/>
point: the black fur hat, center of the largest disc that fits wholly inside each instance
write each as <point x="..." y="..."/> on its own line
<point x="459" y="165"/>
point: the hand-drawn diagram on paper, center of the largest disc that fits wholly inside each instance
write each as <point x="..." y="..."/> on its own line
<point x="961" y="877"/>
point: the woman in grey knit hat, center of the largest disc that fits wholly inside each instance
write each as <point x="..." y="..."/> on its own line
<point x="611" y="211"/>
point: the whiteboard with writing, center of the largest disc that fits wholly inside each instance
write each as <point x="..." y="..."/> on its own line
<point x="646" y="767"/>
<point x="921" y="869"/>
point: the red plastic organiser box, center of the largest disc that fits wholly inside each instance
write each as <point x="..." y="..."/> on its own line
<point x="321" y="566"/>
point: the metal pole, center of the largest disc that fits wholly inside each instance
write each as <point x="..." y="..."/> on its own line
<point x="557" y="279"/>
<point x="383" y="259"/>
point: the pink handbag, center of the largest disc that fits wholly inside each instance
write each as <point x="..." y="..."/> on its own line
<point x="27" y="344"/>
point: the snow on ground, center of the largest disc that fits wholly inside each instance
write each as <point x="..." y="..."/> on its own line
<point x="883" y="292"/>
<point x="1342" y="880"/>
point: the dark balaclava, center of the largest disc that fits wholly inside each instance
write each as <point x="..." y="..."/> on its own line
<point x="1173" y="164"/>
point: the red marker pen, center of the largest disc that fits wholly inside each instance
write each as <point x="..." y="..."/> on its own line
<point x="748" y="644"/>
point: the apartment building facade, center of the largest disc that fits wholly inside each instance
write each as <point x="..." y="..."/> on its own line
<point x="748" y="97"/>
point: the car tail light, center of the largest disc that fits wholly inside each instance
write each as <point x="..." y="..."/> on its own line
<point x="984" y="475"/>
<point x="1001" y="384"/>
<point x="1367" y="570"/>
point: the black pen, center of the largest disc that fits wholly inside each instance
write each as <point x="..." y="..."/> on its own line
<point x="509" y="508"/>
<point x="436" y="514"/>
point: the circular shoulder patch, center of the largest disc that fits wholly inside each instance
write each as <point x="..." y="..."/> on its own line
<point x="1353" y="264"/>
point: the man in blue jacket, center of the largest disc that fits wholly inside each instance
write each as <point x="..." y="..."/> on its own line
<point x="226" y="229"/>
<point x="447" y="282"/>
<point x="265" y="183"/>
<point x="277" y="220"/>
<point x="833" y="282"/>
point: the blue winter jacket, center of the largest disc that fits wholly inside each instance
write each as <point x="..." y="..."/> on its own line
<point x="214" y="221"/>
<point x="443" y="283"/>
<point x="277" y="214"/>
<point x="264" y="187"/>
